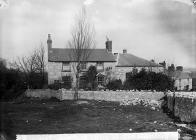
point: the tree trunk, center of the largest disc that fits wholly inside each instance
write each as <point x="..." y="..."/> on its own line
<point x="76" y="88"/>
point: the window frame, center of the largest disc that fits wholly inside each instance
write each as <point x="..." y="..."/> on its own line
<point x="66" y="64"/>
<point x="100" y="82"/>
<point x="82" y="64"/>
<point x="100" y="64"/>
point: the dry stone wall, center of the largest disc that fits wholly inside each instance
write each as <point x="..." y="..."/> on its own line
<point x="183" y="105"/>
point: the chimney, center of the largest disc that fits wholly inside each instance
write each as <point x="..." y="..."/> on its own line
<point x="124" y="51"/>
<point x="179" y="68"/>
<point x="49" y="42"/>
<point x="108" y="44"/>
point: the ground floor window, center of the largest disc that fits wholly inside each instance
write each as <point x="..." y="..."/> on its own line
<point x="83" y="82"/>
<point x="100" y="79"/>
<point x="66" y="82"/>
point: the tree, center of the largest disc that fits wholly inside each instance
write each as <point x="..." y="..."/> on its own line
<point x="81" y="45"/>
<point x="32" y="65"/>
<point x="40" y="61"/>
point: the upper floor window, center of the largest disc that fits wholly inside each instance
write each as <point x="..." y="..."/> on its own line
<point x="108" y="68"/>
<point x="99" y="65"/>
<point x="83" y="66"/>
<point x="66" y="66"/>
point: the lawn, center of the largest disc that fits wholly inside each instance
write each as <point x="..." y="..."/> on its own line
<point x="55" y="117"/>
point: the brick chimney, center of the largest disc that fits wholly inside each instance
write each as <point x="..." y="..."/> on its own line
<point x="124" y="51"/>
<point x="108" y="44"/>
<point x="49" y="42"/>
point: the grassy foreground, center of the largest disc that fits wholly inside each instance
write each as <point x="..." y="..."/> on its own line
<point x="55" y="117"/>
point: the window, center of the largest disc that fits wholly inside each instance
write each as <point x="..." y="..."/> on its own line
<point x="100" y="80"/>
<point x="100" y="66"/>
<point x="66" y="66"/>
<point x="83" y="82"/>
<point x="66" y="82"/>
<point x="108" y="68"/>
<point x="83" y="66"/>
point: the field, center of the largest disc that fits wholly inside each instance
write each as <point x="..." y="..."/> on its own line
<point x="34" y="116"/>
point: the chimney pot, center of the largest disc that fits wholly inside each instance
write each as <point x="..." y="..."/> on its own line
<point x="124" y="51"/>
<point x="49" y="41"/>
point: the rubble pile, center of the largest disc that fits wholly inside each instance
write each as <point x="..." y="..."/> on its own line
<point x="153" y="104"/>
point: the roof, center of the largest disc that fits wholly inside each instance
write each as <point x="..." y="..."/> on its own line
<point x="63" y="55"/>
<point x="182" y="75"/>
<point x="129" y="60"/>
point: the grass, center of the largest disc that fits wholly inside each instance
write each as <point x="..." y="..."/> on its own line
<point x="54" y="117"/>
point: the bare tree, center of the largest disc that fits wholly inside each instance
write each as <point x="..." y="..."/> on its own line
<point x="34" y="63"/>
<point x="81" y="45"/>
<point x="39" y="62"/>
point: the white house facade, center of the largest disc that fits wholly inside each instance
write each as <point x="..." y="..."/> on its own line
<point x="183" y="80"/>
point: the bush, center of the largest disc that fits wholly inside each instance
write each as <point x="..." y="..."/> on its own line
<point x="114" y="84"/>
<point x="149" y="81"/>
<point x="55" y="86"/>
<point x="12" y="84"/>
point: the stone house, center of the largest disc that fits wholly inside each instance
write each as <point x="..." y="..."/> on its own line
<point x="126" y="62"/>
<point x="183" y="80"/>
<point x="109" y="65"/>
<point x="60" y="64"/>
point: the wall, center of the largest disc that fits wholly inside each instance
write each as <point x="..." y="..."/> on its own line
<point x="112" y="95"/>
<point x="43" y="93"/>
<point x="183" y="105"/>
<point x="54" y="71"/>
<point x="63" y="94"/>
<point x="194" y="83"/>
<point x="181" y="84"/>
<point x="55" y="68"/>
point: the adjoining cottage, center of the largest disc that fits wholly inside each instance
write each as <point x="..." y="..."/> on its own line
<point x="126" y="62"/>
<point x="108" y="64"/>
<point x="183" y="80"/>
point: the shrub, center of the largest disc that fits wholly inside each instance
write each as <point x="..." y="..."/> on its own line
<point x="114" y="84"/>
<point x="55" y="86"/>
<point x="148" y="81"/>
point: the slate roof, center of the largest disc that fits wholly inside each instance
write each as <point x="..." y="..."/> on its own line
<point x="129" y="60"/>
<point x="63" y="55"/>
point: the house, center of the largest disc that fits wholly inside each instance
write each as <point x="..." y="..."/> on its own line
<point x="60" y="64"/>
<point x="109" y="65"/>
<point x="193" y="76"/>
<point x="126" y="62"/>
<point x="183" y="80"/>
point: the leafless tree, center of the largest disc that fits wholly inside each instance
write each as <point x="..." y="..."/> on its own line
<point x="34" y="63"/>
<point x="81" y="45"/>
<point x="39" y="61"/>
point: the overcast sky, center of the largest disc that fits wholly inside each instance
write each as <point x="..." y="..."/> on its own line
<point x="151" y="29"/>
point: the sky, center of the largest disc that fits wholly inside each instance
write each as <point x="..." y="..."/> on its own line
<point x="151" y="29"/>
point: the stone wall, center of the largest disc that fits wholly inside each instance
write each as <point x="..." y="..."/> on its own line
<point x="182" y="83"/>
<point x="111" y="95"/>
<point x="183" y="105"/>
<point x="54" y="71"/>
<point x="63" y="94"/>
<point x="43" y="93"/>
